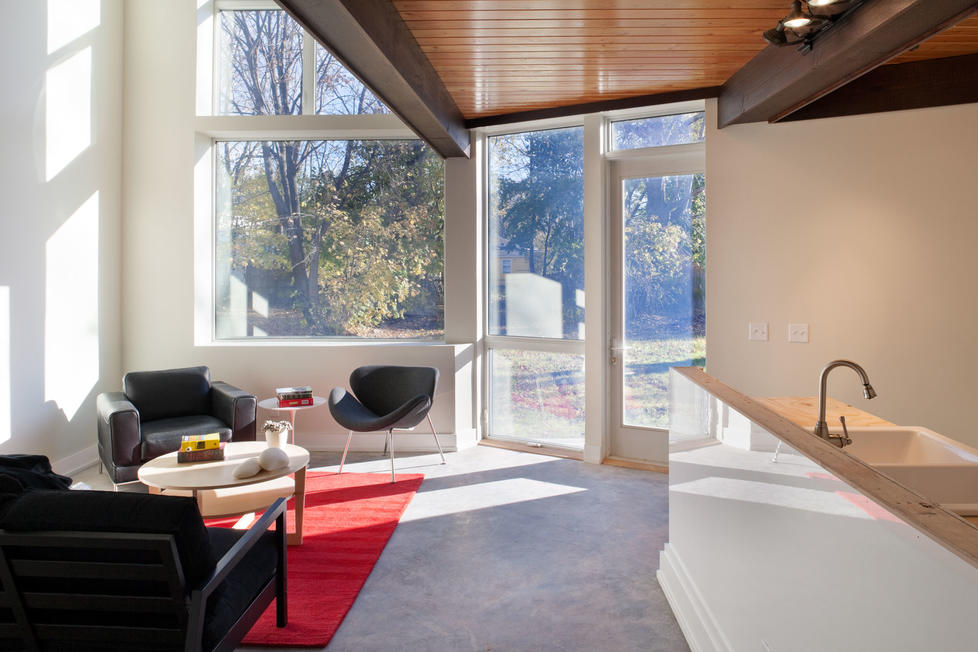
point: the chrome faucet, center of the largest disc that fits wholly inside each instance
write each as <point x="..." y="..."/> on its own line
<point x="821" y="427"/>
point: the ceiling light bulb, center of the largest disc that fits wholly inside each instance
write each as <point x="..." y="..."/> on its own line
<point x="821" y="3"/>
<point x="796" y="18"/>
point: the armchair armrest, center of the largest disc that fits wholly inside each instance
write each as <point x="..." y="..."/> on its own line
<point x="235" y="407"/>
<point x="227" y="563"/>
<point x="238" y="551"/>
<point x="118" y="428"/>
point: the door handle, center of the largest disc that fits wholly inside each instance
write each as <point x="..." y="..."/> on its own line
<point x="615" y="349"/>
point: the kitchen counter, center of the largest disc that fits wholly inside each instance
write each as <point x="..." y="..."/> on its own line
<point x="791" y="419"/>
<point x="814" y="550"/>
<point x="803" y="411"/>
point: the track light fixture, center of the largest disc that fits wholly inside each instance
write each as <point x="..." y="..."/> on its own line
<point x="807" y="20"/>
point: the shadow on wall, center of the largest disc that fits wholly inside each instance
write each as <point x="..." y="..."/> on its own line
<point x="60" y="213"/>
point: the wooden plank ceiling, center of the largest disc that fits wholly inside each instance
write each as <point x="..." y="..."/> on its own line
<point x="956" y="41"/>
<point x="506" y="56"/>
<point x="503" y="56"/>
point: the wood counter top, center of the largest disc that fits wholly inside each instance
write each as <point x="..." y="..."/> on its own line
<point x="944" y="527"/>
<point x="803" y="411"/>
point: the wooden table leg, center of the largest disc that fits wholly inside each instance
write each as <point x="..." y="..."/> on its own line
<point x="199" y="497"/>
<point x="295" y="538"/>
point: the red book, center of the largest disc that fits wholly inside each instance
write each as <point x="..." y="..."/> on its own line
<point x="294" y="402"/>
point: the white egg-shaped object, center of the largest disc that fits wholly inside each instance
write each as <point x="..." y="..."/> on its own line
<point x="247" y="468"/>
<point x="273" y="459"/>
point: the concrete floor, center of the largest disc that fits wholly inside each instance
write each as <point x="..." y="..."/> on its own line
<point x="503" y="550"/>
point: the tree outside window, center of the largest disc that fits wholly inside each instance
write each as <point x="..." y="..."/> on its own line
<point x="319" y="237"/>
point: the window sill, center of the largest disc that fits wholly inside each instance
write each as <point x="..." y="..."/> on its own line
<point x="318" y="343"/>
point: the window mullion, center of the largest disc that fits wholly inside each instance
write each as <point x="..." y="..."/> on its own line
<point x="308" y="74"/>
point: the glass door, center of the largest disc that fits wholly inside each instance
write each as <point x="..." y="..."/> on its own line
<point x="658" y="284"/>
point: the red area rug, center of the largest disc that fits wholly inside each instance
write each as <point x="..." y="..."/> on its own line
<point x="347" y="522"/>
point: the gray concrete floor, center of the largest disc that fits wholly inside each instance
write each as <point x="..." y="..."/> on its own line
<point x="503" y="550"/>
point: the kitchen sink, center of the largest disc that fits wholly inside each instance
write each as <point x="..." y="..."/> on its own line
<point x="937" y="467"/>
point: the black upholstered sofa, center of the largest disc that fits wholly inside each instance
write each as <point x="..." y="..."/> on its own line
<point x="102" y="570"/>
<point x="156" y="408"/>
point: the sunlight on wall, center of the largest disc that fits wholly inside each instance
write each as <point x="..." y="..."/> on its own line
<point x="4" y="364"/>
<point x="71" y="346"/>
<point x="69" y="19"/>
<point x="68" y="91"/>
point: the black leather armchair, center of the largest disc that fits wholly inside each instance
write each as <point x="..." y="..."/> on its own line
<point x="101" y="570"/>
<point x="156" y="408"/>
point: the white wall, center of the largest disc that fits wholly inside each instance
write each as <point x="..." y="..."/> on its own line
<point x="60" y="178"/>
<point x="865" y="228"/>
<point x="158" y="255"/>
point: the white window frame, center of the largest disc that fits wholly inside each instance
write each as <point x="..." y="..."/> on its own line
<point x="598" y="159"/>
<point x="513" y="342"/>
<point x="211" y="128"/>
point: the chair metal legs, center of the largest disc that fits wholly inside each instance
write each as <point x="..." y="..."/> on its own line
<point x="348" y="438"/>
<point x="435" y="435"/>
<point x="389" y="446"/>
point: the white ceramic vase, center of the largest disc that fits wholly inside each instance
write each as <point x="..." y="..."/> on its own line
<point x="277" y="438"/>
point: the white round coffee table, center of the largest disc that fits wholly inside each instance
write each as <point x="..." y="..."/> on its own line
<point x="219" y="493"/>
<point x="272" y="404"/>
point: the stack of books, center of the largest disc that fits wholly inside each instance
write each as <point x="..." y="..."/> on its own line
<point x="294" y="396"/>
<point x="200" y="448"/>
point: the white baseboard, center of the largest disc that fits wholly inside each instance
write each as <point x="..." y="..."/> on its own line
<point x="371" y="442"/>
<point x="76" y="462"/>
<point x="695" y="618"/>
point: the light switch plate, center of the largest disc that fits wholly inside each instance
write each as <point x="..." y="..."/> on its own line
<point x="798" y="333"/>
<point x="757" y="331"/>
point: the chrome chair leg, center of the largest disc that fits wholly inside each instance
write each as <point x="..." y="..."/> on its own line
<point x="390" y="435"/>
<point x="435" y="435"/>
<point x="387" y="442"/>
<point x="348" y="438"/>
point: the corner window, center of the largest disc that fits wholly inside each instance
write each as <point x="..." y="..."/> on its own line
<point x="329" y="239"/>
<point x="318" y="235"/>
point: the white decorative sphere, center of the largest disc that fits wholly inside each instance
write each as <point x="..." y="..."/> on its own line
<point x="247" y="468"/>
<point x="273" y="459"/>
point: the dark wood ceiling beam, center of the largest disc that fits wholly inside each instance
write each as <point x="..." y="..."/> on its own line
<point x="594" y="107"/>
<point x="372" y="40"/>
<point x="780" y="81"/>
<point x="913" y="85"/>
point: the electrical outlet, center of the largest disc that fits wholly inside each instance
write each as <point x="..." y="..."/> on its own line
<point x="757" y="331"/>
<point x="798" y="333"/>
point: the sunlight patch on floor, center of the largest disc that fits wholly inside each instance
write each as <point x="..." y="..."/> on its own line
<point x="483" y="495"/>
